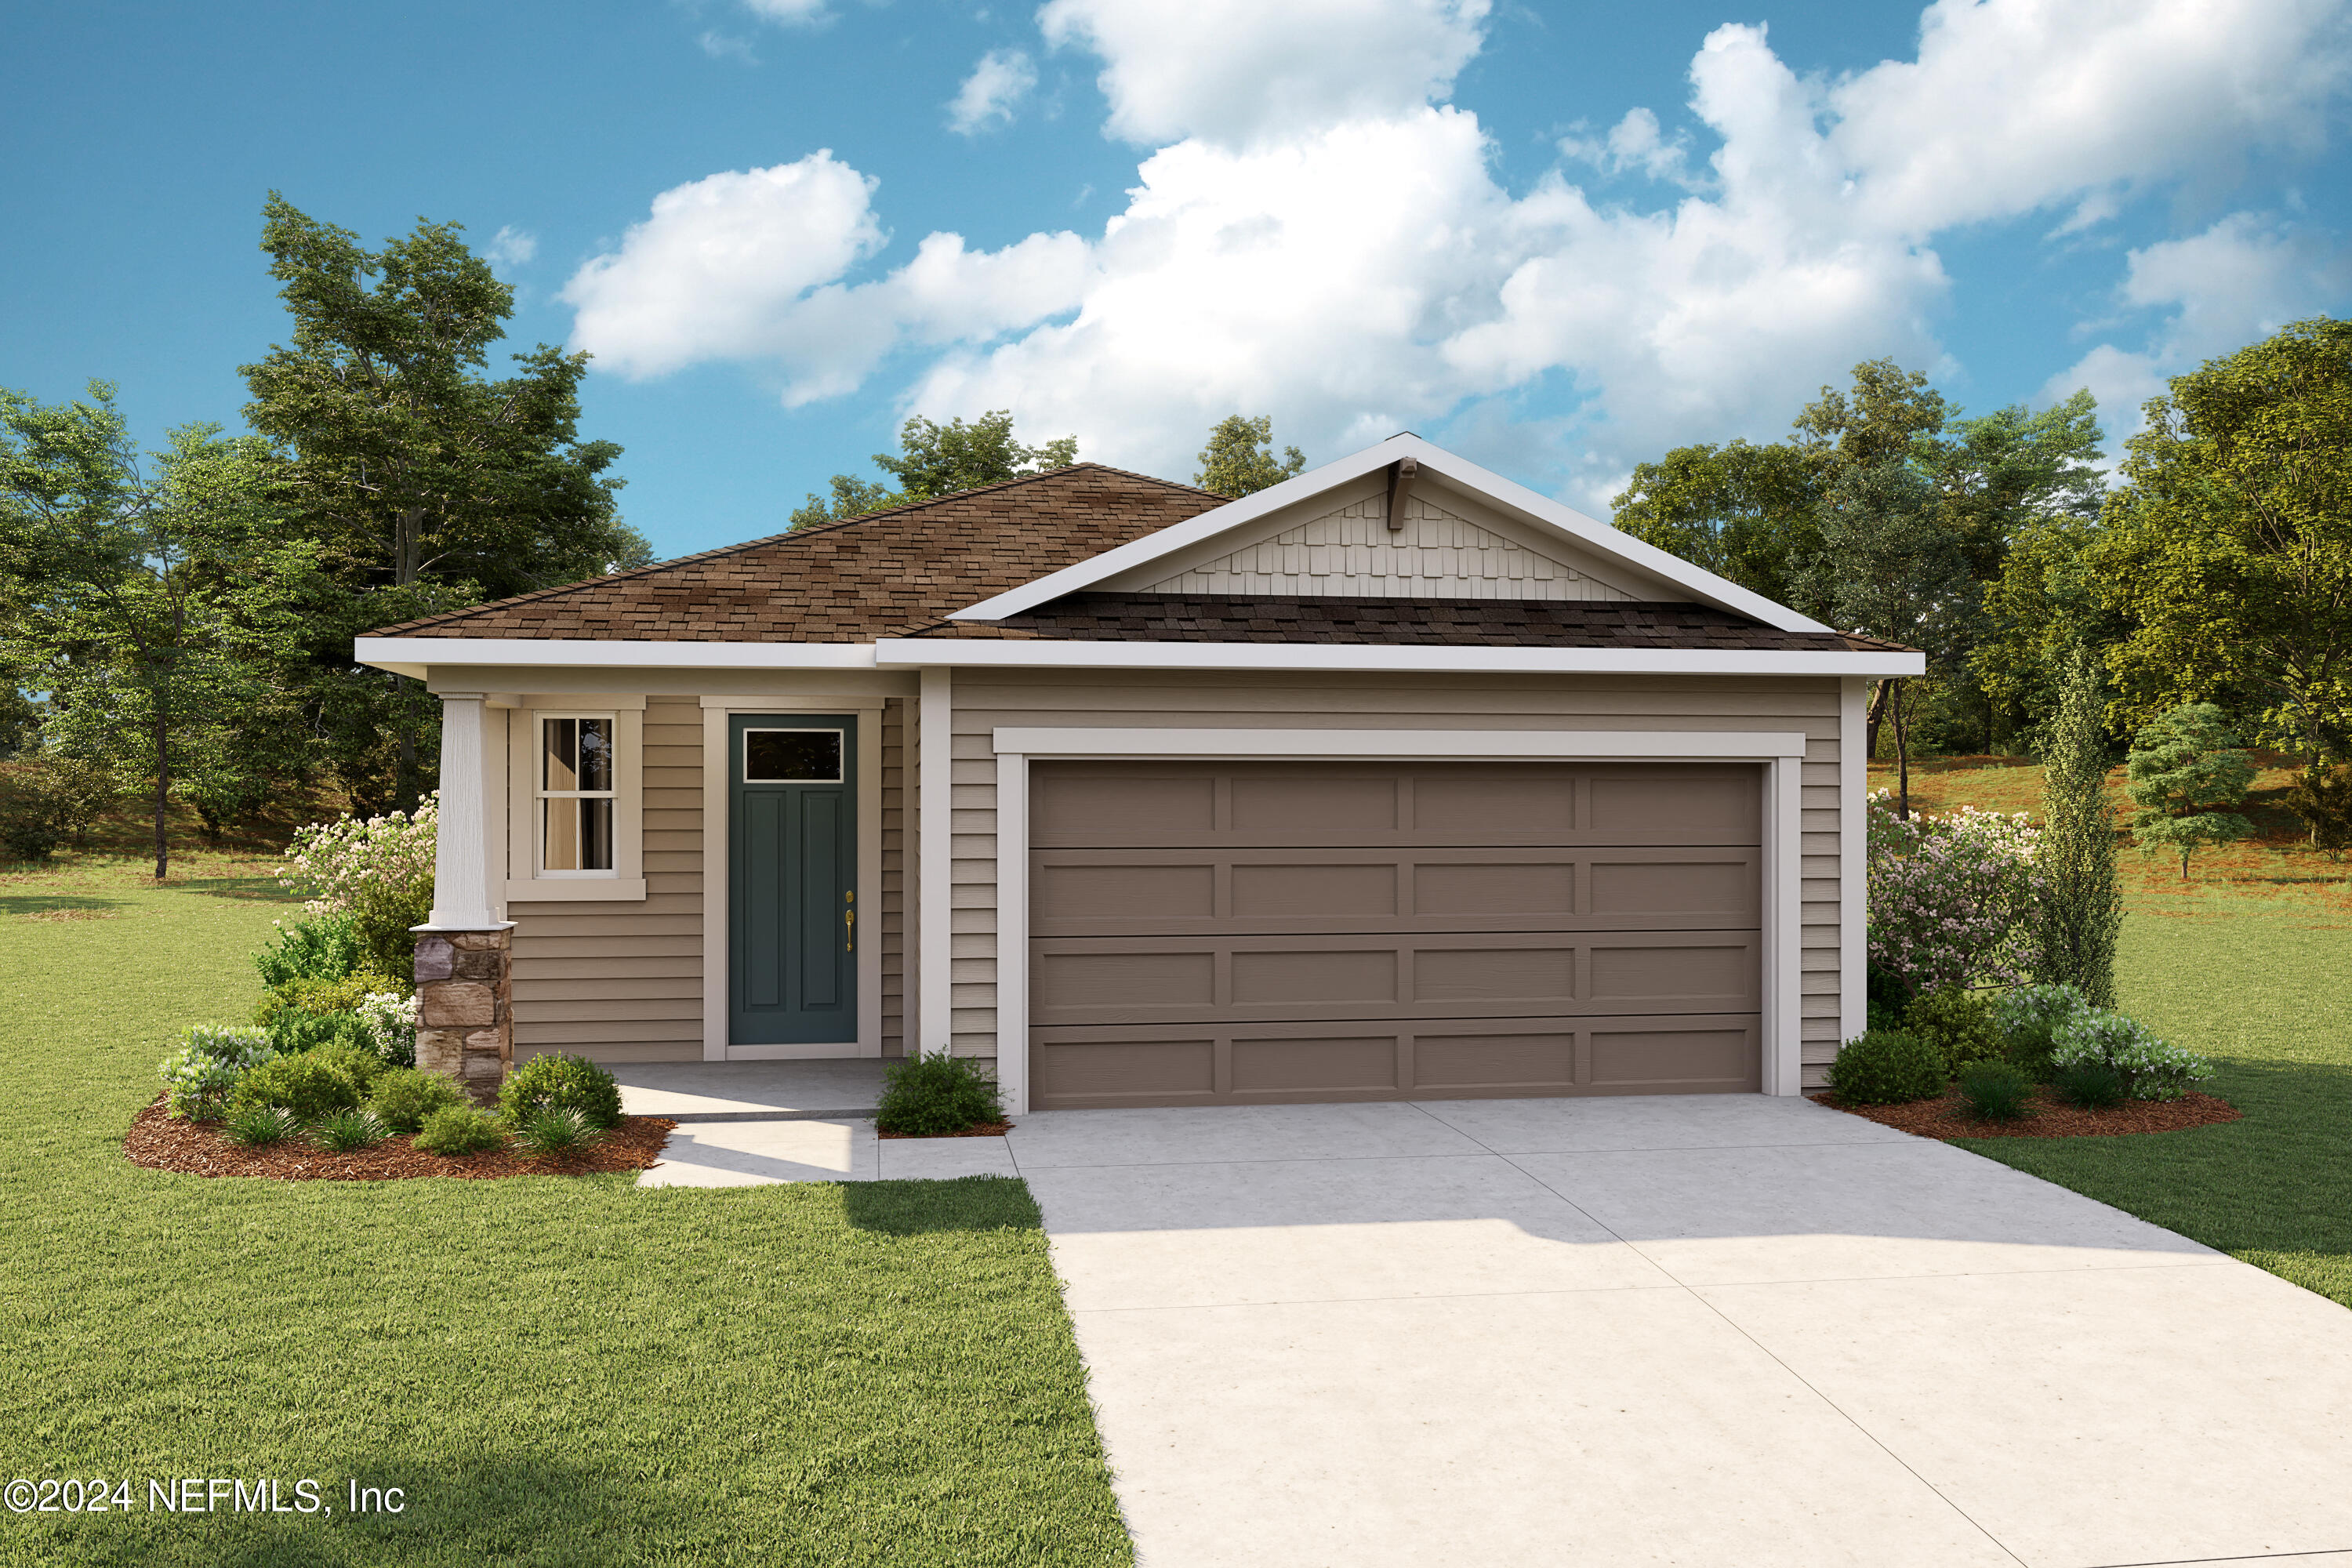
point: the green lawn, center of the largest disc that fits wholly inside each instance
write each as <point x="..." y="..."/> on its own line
<point x="2260" y="984"/>
<point x="554" y="1371"/>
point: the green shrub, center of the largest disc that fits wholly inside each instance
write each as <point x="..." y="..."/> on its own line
<point x="558" y="1129"/>
<point x="1959" y="1025"/>
<point x="1887" y="1067"/>
<point x="558" y="1082"/>
<point x="2150" y="1069"/>
<point x="51" y="801"/>
<point x="1888" y="999"/>
<point x="325" y="947"/>
<point x="382" y="914"/>
<point x="460" y="1130"/>
<point x="2094" y="1086"/>
<point x="403" y="1097"/>
<point x="259" y="1126"/>
<point x="308" y="1084"/>
<point x="349" y="1129"/>
<point x="1995" y="1091"/>
<point x="931" y="1096"/>
<point x="2028" y="1017"/>
<point x="200" y="1076"/>
<point x="302" y="1014"/>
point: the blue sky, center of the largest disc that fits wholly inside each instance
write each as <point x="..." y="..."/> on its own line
<point x="1558" y="238"/>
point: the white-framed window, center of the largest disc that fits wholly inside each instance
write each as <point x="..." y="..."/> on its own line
<point x="575" y="824"/>
<point x="578" y="794"/>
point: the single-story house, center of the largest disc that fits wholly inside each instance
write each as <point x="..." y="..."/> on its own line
<point x="1395" y="780"/>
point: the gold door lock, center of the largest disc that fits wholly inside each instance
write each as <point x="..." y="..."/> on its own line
<point x="849" y="923"/>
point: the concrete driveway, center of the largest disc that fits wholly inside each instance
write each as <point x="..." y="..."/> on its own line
<point x="1722" y="1330"/>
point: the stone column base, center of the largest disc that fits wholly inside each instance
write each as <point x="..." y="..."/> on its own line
<point x="465" y="1026"/>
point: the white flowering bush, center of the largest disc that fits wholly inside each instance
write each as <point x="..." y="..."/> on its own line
<point x="338" y="864"/>
<point x="378" y="870"/>
<point x="2150" y="1069"/>
<point x="199" y="1077"/>
<point x="2029" y="1018"/>
<point x="389" y="1019"/>
<point x="1950" y="896"/>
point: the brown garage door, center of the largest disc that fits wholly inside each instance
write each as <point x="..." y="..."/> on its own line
<point x="1212" y="933"/>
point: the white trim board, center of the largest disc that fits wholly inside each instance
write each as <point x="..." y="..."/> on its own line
<point x="414" y="656"/>
<point x="1781" y="755"/>
<point x="717" y="952"/>
<point x="1853" y="865"/>
<point x="934" y="880"/>
<point x="892" y="653"/>
<point x="1468" y="745"/>
<point x="1510" y="499"/>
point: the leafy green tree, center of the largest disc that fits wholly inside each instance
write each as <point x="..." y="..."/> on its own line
<point x="2187" y="775"/>
<point x="2230" y="550"/>
<point x="151" y="608"/>
<point x="1743" y="511"/>
<point x="1239" y="459"/>
<point x="934" y="460"/>
<point x="2080" y="912"/>
<point x="1890" y="566"/>
<point x="408" y="466"/>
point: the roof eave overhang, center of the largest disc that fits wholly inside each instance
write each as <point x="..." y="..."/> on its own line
<point x="1542" y="510"/>
<point x="412" y="656"/>
<point x="907" y="653"/>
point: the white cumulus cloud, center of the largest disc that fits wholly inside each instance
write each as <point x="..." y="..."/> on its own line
<point x="791" y="13"/>
<point x="1235" y="70"/>
<point x="511" y="247"/>
<point x="991" y="93"/>
<point x="1320" y="237"/>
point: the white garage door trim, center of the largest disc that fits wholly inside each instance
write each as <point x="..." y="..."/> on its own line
<point x="1781" y="755"/>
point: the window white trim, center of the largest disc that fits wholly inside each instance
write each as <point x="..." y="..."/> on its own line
<point x="1854" y="864"/>
<point x="718" y="948"/>
<point x="933" y="1000"/>
<point x="626" y="882"/>
<point x="1781" y="755"/>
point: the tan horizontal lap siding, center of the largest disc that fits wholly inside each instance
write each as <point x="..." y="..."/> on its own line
<point x="623" y="981"/>
<point x="984" y="703"/>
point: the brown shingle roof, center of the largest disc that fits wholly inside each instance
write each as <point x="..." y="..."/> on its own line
<point x="1447" y="623"/>
<point x="869" y="576"/>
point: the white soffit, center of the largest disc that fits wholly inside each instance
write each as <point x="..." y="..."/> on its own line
<point x="1510" y="499"/>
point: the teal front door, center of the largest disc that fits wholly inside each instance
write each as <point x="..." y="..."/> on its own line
<point x="792" y="879"/>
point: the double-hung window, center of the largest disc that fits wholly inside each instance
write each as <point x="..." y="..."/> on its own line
<point x="577" y="800"/>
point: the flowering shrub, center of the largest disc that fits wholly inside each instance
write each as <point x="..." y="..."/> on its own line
<point x="391" y="1022"/>
<point x="199" y="1077"/>
<point x="2151" y="1068"/>
<point x="1949" y="897"/>
<point x="377" y="870"/>
<point x="335" y="862"/>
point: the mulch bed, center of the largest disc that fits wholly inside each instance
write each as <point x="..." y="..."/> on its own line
<point x="197" y="1149"/>
<point x="978" y="1129"/>
<point x="2046" y="1116"/>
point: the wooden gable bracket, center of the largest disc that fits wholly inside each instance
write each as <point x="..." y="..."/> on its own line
<point x="1401" y="473"/>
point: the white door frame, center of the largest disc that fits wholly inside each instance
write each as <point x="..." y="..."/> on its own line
<point x="1782" y="755"/>
<point x="718" y="951"/>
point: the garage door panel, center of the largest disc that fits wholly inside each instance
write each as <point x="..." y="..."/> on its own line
<point x="1152" y="980"/>
<point x="1108" y="806"/>
<point x="1282" y="1064"/>
<point x="1273" y="934"/>
<point x="1117" y="892"/>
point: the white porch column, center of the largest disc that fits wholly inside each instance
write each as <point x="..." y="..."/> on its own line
<point x="935" y="853"/>
<point x="464" y="898"/>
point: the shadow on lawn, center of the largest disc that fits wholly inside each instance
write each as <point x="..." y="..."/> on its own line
<point x="926" y="1208"/>
<point x="58" y="906"/>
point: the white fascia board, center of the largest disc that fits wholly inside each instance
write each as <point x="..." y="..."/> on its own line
<point x="1361" y="659"/>
<point x="1540" y="510"/>
<point x="1591" y="745"/>
<point x="409" y="655"/>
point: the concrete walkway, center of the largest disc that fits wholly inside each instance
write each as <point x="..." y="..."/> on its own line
<point x="1699" y="1329"/>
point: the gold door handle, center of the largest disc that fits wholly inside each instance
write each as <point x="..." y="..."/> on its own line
<point x="849" y="929"/>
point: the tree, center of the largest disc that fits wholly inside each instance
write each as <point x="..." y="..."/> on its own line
<point x="2187" y="776"/>
<point x="934" y="460"/>
<point x="1239" y="459"/>
<point x="1742" y="512"/>
<point x="2230" y="550"/>
<point x="406" y="465"/>
<point x="150" y="609"/>
<point x="2079" y="915"/>
<point x="1889" y="566"/>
